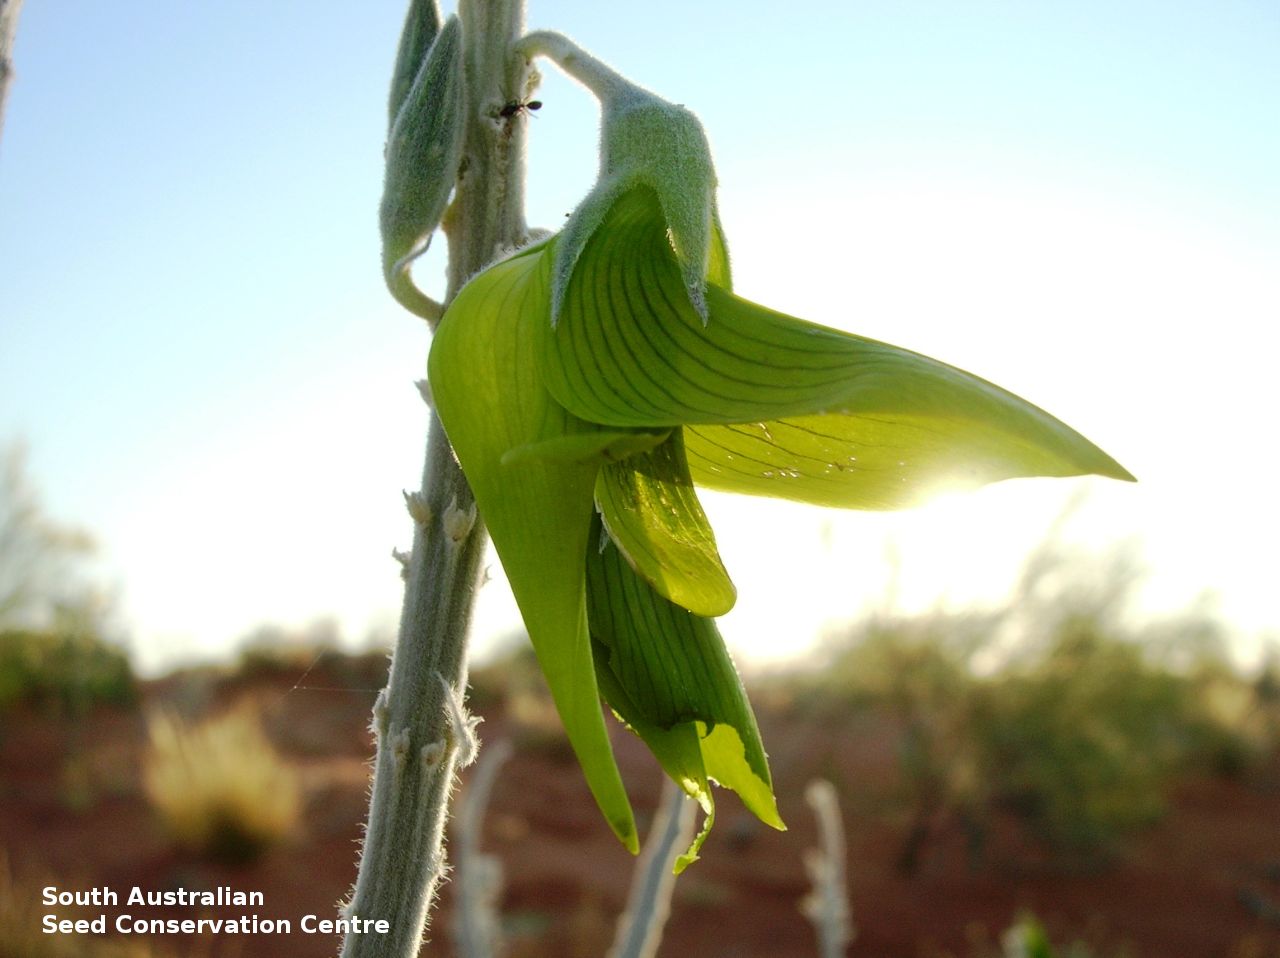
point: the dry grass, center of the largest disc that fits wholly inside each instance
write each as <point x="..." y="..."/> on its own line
<point x="220" y="786"/>
<point x="22" y="935"/>
<point x="20" y="932"/>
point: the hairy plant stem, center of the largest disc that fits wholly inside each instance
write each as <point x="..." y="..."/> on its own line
<point x="649" y="902"/>
<point x="422" y="732"/>
<point x="602" y="80"/>
<point x="477" y="926"/>
<point x="827" y="906"/>
<point x="9" y="10"/>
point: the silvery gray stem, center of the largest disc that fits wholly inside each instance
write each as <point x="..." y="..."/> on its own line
<point x="9" y="10"/>
<point x="827" y="906"/>
<point x="649" y="902"/>
<point x="477" y="929"/>
<point x="423" y="733"/>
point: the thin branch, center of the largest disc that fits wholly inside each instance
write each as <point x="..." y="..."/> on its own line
<point x="649" y="903"/>
<point x="827" y="906"/>
<point x="476" y="926"/>
<point x="9" y="10"/>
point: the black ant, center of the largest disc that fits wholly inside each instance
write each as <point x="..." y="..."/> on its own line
<point x="515" y="107"/>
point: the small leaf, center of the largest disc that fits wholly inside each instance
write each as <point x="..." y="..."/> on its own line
<point x="652" y="513"/>
<point x="423" y="152"/>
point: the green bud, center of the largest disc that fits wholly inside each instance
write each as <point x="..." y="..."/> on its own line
<point x="648" y="141"/>
<point x="421" y="24"/>
<point x="423" y="153"/>
<point x="645" y="141"/>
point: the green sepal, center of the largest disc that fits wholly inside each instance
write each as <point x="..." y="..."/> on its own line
<point x="879" y="422"/>
<point x="490" y="399"/>
<point x="649" y="143"/>
<point x="652" y="513"/>
<point x="669" y="670"/>
<point x="423" y="151"/>
<point x="646" y="140"/>
<point x="421" y="24"/>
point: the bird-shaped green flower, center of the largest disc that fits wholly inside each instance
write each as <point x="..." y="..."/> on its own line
<point x="587" y="382"/>
<point x="583" y="438"/>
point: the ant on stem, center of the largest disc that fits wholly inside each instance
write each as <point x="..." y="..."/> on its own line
<point x="515" y="107"/>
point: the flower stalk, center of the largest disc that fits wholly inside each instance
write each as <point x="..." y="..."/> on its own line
<point x="421" y="727"/>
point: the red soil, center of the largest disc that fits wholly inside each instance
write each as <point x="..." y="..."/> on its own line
<point x="1203" y="883"/>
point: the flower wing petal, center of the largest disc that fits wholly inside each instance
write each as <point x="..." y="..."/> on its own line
<point x="652" y="513"/>
<point x="630" y="350"/>
<point x="538" y="509"/>
<point x="888" y="461"/>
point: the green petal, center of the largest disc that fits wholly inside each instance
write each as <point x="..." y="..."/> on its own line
<point x="651" y="511"/>
<point x="490" y="399"/>
<point x="677" y="749"/>
<point x="888" y="461"/>
<point x="674" y="671"/>
<point x="881" y="422"/>
<point x="723" y="749"/>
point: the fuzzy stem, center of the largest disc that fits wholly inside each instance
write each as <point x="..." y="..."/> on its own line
<point x="419" y="722"/>
<point x="476" y="927"/>
<point x="649" y="903"/>
<point x="9" y="10"/>
<point x="827" y="906"/>
<point x="605" y="83"/>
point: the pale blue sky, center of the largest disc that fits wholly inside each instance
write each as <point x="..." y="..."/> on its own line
<point x="1080" y="201"/>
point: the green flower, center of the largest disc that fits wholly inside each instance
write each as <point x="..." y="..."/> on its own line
<point x="582" y="440"/>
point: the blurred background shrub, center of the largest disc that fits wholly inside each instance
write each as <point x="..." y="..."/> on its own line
<point x="53" y="622"/>
<point x="67" y="672"/>
<point x="1060" y="708"/>
<point x="220" y="787"/>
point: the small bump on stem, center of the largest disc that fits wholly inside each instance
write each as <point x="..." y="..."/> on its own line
<point x="400" y="747"/>
<point x="462" y="725"/>
<point x="458" y="522"/>
<point x="381" y="714"/>
<point x="432" y="753"/>
<point x="418" y="508"/>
